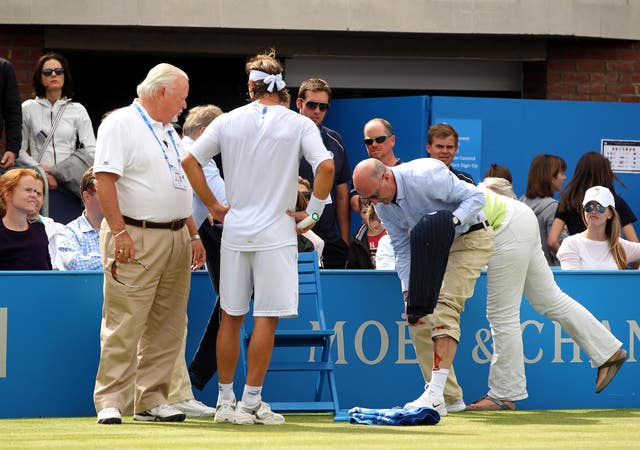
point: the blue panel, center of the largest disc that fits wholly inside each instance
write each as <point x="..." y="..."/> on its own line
<point x="514" y="131"/>
<point x="53" y="343"/>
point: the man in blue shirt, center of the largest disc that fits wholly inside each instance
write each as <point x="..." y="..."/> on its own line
<point x="402" y="196"/>
<point x="313" y="101"/>
<point x="78" y="242"/>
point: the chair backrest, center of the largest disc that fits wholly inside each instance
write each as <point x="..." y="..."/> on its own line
<point x="309" y="287"/>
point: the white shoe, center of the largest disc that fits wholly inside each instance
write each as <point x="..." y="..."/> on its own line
<point x="260" y="414"/>
<point x="456" y="406"/>
<point x="109" y="416"/>
<point x="194" y="408"/>
<point x="161" y="413"/>
<point x="225" y="411"/>
<point x="431" y="400"/>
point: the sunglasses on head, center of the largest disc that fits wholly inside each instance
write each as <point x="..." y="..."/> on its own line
<point x="378" y="139"/>
<point x="314" y="105"/>
<point x="48" y="72"/>
<point x="590" y="206"/>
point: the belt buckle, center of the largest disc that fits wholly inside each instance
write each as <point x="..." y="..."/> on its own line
<point x="177" y="224"/>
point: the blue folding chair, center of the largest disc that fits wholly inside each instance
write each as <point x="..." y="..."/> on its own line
<point x="309" y="292"/>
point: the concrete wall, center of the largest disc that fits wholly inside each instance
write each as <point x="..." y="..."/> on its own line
<point x="589" y="18"/>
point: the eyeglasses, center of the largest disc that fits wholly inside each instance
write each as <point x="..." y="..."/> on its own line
<point x="306" y="195"/>
<point x="601" y="209"/>
<point x="378" y="139"/>
<point x="314" y="105"/>
<point x="49" y="72"/>
<point x="115" y="278"/>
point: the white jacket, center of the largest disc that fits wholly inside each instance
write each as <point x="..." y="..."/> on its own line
<point x="37" y="118"/>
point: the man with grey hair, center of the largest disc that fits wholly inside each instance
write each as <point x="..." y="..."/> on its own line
<point x="148" y="243"/>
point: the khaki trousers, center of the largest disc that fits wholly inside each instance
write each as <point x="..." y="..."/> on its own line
<point x="142" y="327"/>
<point x="469" y="254"/>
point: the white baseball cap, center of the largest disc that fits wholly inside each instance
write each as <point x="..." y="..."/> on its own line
<point x="599" y="194"/>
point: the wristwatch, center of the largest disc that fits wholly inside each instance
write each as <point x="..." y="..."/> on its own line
<point x="456" y="221"/>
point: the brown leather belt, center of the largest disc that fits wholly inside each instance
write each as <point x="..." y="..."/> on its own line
<point x="174" y="225"/>
<point x="477" y="226"/>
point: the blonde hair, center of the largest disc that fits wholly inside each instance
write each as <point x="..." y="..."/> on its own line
<point x="199" y="117"/>
<point x="613" y="231"/>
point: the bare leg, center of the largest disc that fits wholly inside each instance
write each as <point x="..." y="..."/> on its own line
<point x="260" y="349"/>
<point x="228" y="346"/>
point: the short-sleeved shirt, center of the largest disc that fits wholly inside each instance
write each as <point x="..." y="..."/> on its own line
<point x="575" y="224"/>
<point x="579" y="253"/>
<point x="127" y="147"/>
<point x="79" y="246"/>
<point x="261" y="147"/>
<point x="24" y="250"/>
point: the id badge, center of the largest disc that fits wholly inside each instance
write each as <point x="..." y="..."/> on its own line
<point x="179" y="178"/>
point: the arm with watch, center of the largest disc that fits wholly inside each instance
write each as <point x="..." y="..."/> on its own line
<point x="198" y="254"/>
<point x="319" y="197"/>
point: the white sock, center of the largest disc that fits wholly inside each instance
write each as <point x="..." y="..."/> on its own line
<point x="438" y="380"/>
<point x="225" y="392"/>
<point x="252" y="395"/>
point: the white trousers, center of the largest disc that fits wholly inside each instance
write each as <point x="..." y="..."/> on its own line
<point x="518" y="265"/>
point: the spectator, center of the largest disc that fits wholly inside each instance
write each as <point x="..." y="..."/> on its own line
<point x="259" y="238"/>
<point x="502" y="180"/>
<point x="364" y="246"/>
<point x="304" y="194"/>
<point x="592" y="169"/>
<point x="379" y="141"/>
<point x="146" y="249"/>
<point x="314" y="97"/>
<point x="546" y="175"/>
<point x="203" y="365"/>
<point x="517" y="267"/>
<point x="52" y="228"/>
<point x="78" y="243"/>
<point x="600" y="246"/>
<point x="57" y="134"/>
<point x="23" y="245"/>
<point x="10" y="115"/>
<point x="442" y="144"/>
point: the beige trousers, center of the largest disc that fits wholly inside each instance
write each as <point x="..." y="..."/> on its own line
<point x="469" y="254"/>
<point x="142" y="327"/>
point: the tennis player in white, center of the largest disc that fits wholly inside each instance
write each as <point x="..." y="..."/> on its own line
<point x="261" y="145"/>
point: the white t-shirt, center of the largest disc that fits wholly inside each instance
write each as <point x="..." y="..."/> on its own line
<point x="577" y="252"/>
<point x="214" y="181"/>
<point x="261" y="149"/>
<point x="126" y="146"/>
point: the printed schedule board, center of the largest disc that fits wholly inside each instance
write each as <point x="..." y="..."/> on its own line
<point x="624" y="155"/>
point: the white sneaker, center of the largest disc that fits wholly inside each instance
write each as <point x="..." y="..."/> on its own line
<point x="109" y="416"/>
<point x="225" y="411"/>
<point x="456" y="406"/>
<point x="260" y="414"/>
<point x="429" y="399"/>
<point x="194" y="408"/>
<point x="161" y="413"/>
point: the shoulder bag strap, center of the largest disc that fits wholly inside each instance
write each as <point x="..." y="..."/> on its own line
<point x="56" y="121"/>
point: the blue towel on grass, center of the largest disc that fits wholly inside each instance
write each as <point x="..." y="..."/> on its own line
<point x="395" y="416"/>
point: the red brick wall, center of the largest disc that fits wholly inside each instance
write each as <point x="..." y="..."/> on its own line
<point x="22" y="46"/>
<point x="593" y="70"/>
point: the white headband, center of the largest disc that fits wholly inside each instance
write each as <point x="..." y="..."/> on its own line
<point x="271" y="80"/>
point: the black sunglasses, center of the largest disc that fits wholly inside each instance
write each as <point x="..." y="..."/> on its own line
<point x="48" y="72"/>
<point x="306" y="195"/>
<point x="378" y="139"/>
<point x="314" y="105"/>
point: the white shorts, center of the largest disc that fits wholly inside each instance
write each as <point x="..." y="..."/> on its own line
<point x="271" y="275"/>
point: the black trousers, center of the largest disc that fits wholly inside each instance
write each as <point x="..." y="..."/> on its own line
<point x="204" y="364"/>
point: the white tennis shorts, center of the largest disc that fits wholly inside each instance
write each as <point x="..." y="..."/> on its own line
<point x="271" y="275"/>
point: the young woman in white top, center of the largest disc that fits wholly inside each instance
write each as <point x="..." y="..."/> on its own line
<point x="600" y="246"/>
<point x="68" y="152"/>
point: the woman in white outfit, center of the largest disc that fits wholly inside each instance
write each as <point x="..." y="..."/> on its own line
<point x="518" y="266"/>
<point x="600" y="246"/>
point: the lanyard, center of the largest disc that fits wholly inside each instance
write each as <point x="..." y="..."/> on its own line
<point x="166" y="158"/>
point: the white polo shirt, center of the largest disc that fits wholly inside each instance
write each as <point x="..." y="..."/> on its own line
<point x="127" y="147"/>
<point x="261" y="150"/>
